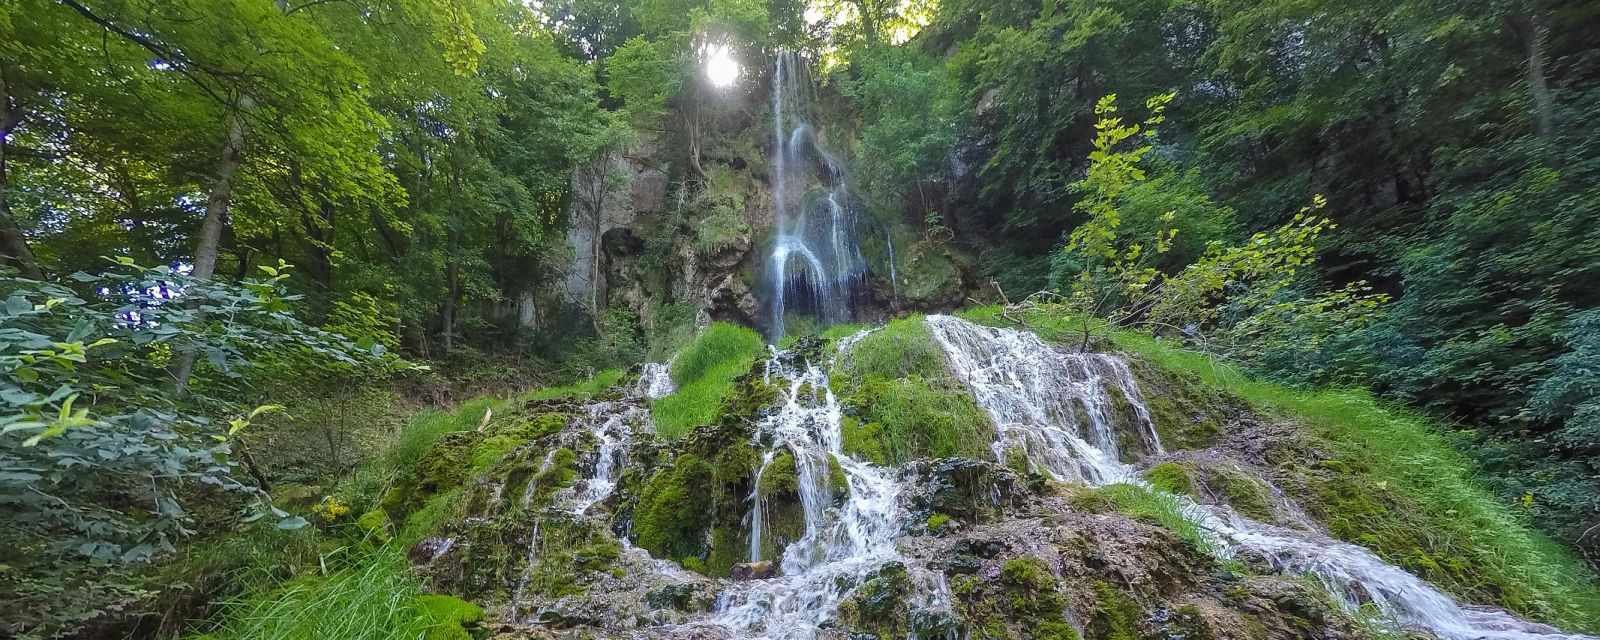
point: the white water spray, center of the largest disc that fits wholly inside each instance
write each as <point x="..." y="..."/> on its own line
<point x="843" y="541"/>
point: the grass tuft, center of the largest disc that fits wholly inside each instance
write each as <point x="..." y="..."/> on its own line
<point x="1155" y="507"/>
<point x="584" y="390"/>
<point x="704" y="373"/>
<point x="375" y="600"/>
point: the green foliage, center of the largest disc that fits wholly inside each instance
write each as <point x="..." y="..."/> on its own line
<point x="907" y="110"/>
<point x="376" y="598"/>
<point x="644" y="74"/>
<point x="704" y="373"/>
<point x="903" y="402"/>
<point x="94" y="427"/>
<point x="720" y="221"/>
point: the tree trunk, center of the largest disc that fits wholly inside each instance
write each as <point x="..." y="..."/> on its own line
<point x="452" y="274"/>
<point x="217" y="203"/>
<point x="13" y="246"/>
<point x="221" y="196"/>
<point x="1532" y="30"/>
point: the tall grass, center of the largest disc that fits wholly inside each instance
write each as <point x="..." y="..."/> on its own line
<point x="1156" y="507"/>
<point x="419" y="434"/>
<point x="582" y="390"/>
<point x="704" y="373"/>
<point x="376" y="600"/>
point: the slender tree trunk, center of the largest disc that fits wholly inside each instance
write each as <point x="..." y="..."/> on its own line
<point x="452" y="274"/>
<point x="221" y="196"/>
<point x="217" y="203"/>
<point x="1532" y="30"/>
<point x="13" y="246"/>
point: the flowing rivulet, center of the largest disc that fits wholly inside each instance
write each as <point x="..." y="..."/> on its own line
<point x="1053" y="404"/>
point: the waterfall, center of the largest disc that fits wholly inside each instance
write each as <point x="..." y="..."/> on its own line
<point x="655" y="381"/>
<point x="816" y="265"/>
<point x="842" y="542"/>
<point x="612" y="424"/>
<point x="1054" y="407"/>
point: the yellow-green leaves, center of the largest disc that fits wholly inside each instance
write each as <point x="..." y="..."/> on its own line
<point x="66" y="418"/>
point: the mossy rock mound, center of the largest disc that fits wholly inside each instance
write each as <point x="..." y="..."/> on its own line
<point x="968" y="490"/>
<point x="1212" y="479"/>
<point x="692" y="507"/>
<point x="1187" y="413"/>
<point x="1063" y="576"/>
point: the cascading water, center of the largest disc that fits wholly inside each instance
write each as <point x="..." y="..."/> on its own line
<point x="1051" y="407"/>
<point x="655" y="381"/>
<point x="612" y="424"/>
<point x="816" y="265"/>
<point x="843" y="541"/>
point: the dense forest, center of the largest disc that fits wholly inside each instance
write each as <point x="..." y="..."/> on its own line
<point x="288" y="284"/>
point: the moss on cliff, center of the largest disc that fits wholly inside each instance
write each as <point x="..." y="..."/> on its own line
<point x="1026" y="602"/>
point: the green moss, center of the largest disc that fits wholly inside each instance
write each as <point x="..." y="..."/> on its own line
<point x="448" y="616"/>
<point x="595" y="385"/>
<point x="1170" y="477"/>
<point x="1026" y="602"/>
<point x="1243" y="492"/>
<point x="729" y="546"/>
<point x="674" y="510"/>
<point x="374" y="525"/>
<point x="937" y="522"/>
<point x="838" y="481"/>
<point x="1116" y="616"/>
<point x="877" y="607"/>
<point x="433" y="514"/>
<point x="780" y="476"/>
<point x="705" y="373"/>
<point x="1055" y="631"/>
<point x="568" y="556"/>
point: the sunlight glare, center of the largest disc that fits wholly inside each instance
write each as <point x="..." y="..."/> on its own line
<point x="721" y="69"/>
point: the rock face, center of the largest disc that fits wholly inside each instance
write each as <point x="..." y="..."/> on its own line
<point x="754" y="570"/>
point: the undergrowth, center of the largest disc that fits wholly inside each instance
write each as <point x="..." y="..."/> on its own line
<point x="704" y="373"/>
<point x="378" y="599"/>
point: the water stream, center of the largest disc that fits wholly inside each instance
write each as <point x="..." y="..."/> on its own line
<point x="843" y="542"/>
<point x="1055" y="409"/>
<point x="816" y="265"/>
